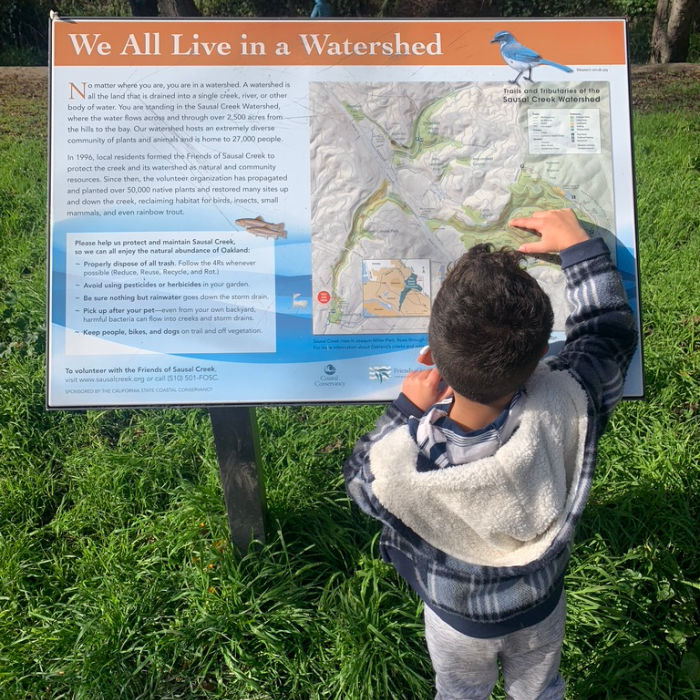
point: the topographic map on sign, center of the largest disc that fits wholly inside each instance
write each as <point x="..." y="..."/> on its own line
<point x="407" y="176"/>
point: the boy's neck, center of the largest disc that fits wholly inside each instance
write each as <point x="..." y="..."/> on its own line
<point x="471" y="415"/>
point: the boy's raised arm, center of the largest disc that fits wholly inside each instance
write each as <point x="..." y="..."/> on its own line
<point x="600" y="330"/>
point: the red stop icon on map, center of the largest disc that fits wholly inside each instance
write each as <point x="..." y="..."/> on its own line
<point x="323" y="297"/>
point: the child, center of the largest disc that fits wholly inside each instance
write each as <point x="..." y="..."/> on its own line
<point x="480" y="469"/>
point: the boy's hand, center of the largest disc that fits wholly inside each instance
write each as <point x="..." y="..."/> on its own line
<point x="557" y="229"/>
<point x="425" y="388"/>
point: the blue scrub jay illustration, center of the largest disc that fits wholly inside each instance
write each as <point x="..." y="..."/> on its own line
<point x="520" y="58"/>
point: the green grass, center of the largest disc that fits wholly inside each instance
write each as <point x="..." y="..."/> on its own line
<point x="116" y="575"/>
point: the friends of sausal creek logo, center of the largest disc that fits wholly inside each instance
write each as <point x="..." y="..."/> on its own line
<point x="149" y="44"/>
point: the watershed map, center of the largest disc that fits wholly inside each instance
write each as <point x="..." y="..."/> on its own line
<point x="407" y="176"/>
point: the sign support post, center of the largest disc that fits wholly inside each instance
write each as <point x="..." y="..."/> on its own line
<point x="237" y="452"/>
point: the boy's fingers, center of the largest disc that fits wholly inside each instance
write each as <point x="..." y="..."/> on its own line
<point x="557" y="229"/>
<point x="536" y="247"/>
<point x="521" y="223"/>
<point x="432" y="375"/>
<point x="529" y="222"/>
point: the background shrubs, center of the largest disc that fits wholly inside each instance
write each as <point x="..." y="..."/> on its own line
<point x="24" y="23"/>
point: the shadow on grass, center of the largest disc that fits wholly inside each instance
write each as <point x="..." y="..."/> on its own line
<point x="632" y="594"/>
<point x="646" y="515"/>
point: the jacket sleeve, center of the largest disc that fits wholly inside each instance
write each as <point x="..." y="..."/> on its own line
<point x="600" y="330"/>
<point x="356" y="470"/>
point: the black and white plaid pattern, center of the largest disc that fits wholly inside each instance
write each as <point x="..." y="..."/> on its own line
<point x="443" y="443"/>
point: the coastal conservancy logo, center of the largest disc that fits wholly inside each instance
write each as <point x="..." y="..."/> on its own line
<point x="379" y="373"/>
<point x="329" y="376"/>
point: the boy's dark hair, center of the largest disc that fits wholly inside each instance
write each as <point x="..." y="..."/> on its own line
<point x="489" y="324"/>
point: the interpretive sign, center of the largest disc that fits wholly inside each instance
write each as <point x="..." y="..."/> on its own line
<point x="256" y="211"/>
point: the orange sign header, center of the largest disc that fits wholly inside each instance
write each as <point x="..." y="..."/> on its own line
<point x="219" y="42"/>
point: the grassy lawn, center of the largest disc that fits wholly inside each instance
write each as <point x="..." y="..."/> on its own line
<point x="116" y="575"/>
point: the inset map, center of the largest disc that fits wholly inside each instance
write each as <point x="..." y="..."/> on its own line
<point x="392" y="288"/>
<point x="407" y="176"/>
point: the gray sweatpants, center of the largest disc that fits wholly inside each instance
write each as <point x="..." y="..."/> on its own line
<point x="466" y="668"/>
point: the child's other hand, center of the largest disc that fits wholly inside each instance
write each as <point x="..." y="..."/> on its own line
<point x="425" y="388"/>
<point x="558" y="229"/>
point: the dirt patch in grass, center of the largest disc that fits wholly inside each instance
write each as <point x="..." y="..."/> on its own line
<point x="23" y="83"/>
<point x="24" y="91"/>
<point x="23" y="99"/>
<point x="665" y="86"/>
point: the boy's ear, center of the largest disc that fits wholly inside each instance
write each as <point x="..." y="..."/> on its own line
<point x="425" y="357"/>
<point x="545" y="350"/>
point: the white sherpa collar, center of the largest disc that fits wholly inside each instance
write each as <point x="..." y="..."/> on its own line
<point x="502" y="510"/>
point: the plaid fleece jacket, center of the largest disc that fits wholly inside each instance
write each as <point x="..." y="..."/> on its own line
<point x="480" y="524"/>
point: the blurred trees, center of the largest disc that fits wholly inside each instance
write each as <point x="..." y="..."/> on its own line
<point x="673" y="23"/>
<point x="164" y="8"/>
<point x="24" y="23"/>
